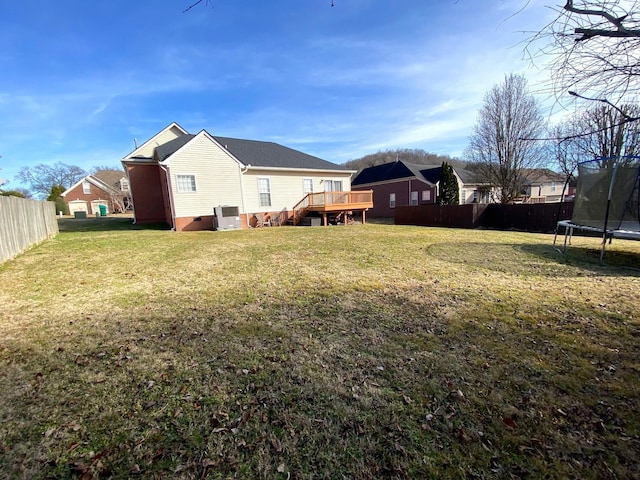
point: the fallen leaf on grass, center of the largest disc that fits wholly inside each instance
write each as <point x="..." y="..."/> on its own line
<point x="180" y="468"/>
<point x="275" y="443"/>
<point x="509" y="422"/>
<point x="207" y="462"/>
<point x="281" y="468"/>
<point x="463" y="436"/>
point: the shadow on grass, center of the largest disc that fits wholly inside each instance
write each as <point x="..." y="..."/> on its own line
<point x="103" y="224"/>
<point x="539" y="259"/>
<point x="616" y="262"/>
<point x="257" y="398"/>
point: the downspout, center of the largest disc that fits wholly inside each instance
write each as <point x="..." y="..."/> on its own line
<point x="173" y="214"/>
<point x="243" y="170"/>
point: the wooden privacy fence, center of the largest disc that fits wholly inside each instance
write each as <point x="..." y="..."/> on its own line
<point x="24" y="223"/>
<point x="537" y="217"/>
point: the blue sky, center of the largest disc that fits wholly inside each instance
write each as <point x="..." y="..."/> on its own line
<point x="79" y="80"/>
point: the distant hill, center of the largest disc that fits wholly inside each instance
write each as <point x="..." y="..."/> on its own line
<point x="416" y="156"/>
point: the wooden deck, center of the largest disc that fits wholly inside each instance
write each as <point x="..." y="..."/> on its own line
<point x="333" y="202"/>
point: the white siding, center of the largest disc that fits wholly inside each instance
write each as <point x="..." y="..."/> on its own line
<point x="146" y="150"/>
<point x="217" y="177"/>
<point x="287" y="188"/>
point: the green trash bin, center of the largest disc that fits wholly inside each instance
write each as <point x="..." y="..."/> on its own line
<point x="103" y="210"/>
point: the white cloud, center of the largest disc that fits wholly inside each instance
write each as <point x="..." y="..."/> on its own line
<point x="336" y="82"/>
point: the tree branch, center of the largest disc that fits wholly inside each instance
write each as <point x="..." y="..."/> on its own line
<point x="198" y="2"/>
<point x="601" y="13"/>
<point x="587" y="33"/>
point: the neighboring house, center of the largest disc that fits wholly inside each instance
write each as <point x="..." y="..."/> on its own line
<point x="109" y="188"/>
<point x="179" y="178"/>
<point x="398" y="184"/>
<point x="542" y="185"/>
<point x="472" y="188"/>
<point x="401" y="183"/>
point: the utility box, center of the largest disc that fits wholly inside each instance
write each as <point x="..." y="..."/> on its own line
<point x="80" y="214"/>
<point x="226" y="217"/>
<point x="310" y="222"/>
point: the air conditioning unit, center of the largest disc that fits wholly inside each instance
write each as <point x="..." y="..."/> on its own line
<point x="226" y="217"/>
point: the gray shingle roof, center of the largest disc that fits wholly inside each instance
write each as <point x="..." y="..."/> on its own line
<point x="111" y="178"/>
<point x="255" y="153"/>
<point x="469" y="176"/>
<point x="397" y="170"/>
<point x="269" y="154"/>
<point x="167" y="149"/>
<point x="541" y="175"/>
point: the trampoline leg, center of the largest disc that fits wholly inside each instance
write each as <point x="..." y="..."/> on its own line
<point x="604" y="245"/>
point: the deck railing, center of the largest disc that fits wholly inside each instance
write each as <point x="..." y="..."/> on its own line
<point x="332" y="201"/>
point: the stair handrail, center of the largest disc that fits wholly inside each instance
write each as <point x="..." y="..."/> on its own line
<point x="299" y="208"/>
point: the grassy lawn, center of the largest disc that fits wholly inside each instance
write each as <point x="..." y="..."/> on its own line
<point x="373" y="351"/>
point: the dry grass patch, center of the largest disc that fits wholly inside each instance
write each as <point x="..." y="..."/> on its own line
<point x="360" y="352"/>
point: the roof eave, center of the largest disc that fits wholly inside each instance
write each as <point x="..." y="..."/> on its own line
<point x="171" y="125"/>
<point x="287" y="169"/>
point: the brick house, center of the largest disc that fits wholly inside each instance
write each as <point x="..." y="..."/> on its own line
<point x="109" y="188"/>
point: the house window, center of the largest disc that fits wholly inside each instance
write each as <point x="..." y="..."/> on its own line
<point x="392" y="200"/>
<point x="124" y="185"/>
<point x="475" y="196"/>
<point x="186" y="183"/>
<point x="264" y="191"/>
<point x="414" y="198"/>
<point x="307" y="185"/>
<point x="553" y="186"/>
<point x="426" y="195"/>
<point x="333" y="185"/>
<point x="86" y="187"/>
<point x="463" y="196"/>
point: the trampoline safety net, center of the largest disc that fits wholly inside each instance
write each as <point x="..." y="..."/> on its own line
<point x="608" y="185"/>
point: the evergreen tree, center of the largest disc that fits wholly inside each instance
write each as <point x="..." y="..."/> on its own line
<point x="449" y="192"/>
<point x="55" y="195"/>
<point x="55" y="192"/>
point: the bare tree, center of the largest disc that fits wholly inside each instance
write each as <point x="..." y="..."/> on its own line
<point x="563" y="148"/>
<point x="595" y="48"/>
<point x="40" y="178"/>
<point x="498" y="146"/>
<point x="603" y="132"/>
<point x="108" y="168"/>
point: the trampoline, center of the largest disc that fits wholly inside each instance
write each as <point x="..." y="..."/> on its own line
<point x="607" y="201"/>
